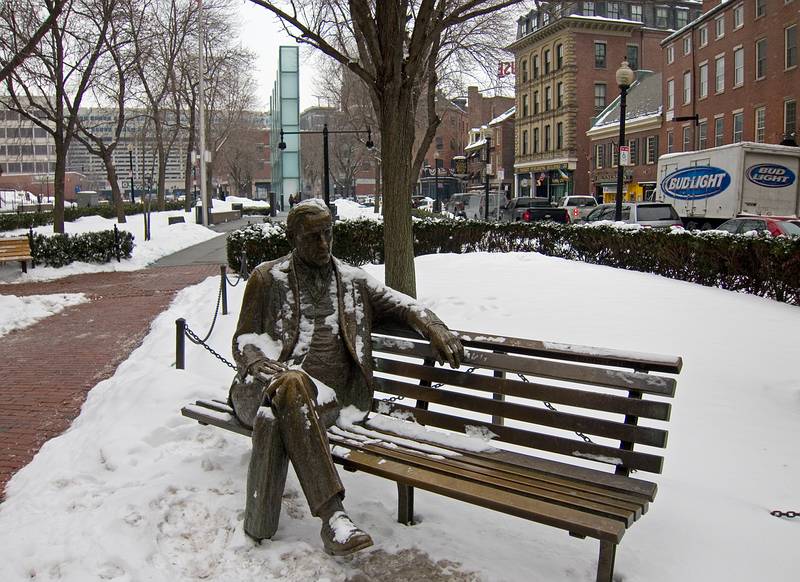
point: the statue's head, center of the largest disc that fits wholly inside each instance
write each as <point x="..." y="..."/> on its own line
<point x="309" y="229"/>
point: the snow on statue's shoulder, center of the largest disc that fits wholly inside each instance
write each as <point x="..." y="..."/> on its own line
<point x="312" y="202"/>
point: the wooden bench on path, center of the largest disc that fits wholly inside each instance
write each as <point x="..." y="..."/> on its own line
<point x="538" y="397"/>
<point x="16" y="248"/>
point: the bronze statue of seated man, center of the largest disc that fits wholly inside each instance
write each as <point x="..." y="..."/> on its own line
<point x="304" y="353"/>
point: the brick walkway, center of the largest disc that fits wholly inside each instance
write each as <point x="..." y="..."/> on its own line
<point x="48" y="368"/>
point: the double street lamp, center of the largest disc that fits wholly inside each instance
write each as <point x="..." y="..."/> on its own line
<point x="325" y="161"/>
<point x="625" y="77"/>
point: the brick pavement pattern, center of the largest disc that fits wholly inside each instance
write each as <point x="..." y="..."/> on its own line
<point x="49" y="367"/>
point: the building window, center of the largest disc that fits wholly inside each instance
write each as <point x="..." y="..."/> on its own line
<point x="636" y="12"/>
<point x="524" y="67"/>
<point x="703" y="32"/>
<point x="670" y="54"/>
<point x="687" y="139"/>
<point x="633" y="147"/>
<point x="525" y="105"/>
<point x="560" y="95"/>
<point x="536" y="140"/>
<point x="546" y="61"/>
<point x="719" y="131"/>
<point x="535" y="66"/>
<point x="613" y="9"/>
<point x="535" y="102"/>
<point x="790" y="43"/>
<point x="738" y="16"/>
<point x="738" y="67"/>
<point x="702" y="135"/>
<point x="588" y="8"/>
<point x="548" y="99"/>
<point x="738" y="126"/>
<point x="687" y="44"/>
<point x="703" y="81"/>
<point x="600" y="55"/>
<point x="633" y="56"/>
<point x="670" y="94"/>
<point x="599" y="97"/>
<point x="761" y="58"/>
<point x="790" y="118"/>
<point x="652" y="150"/>
<point x="681" y="18"/>
<point x="687" y="87"/>
<point x="559" y="56"/>
<point x="559" y="135"/>
<point x="662" y="17"/>
<point x="599" y="154"/>
<point x="719" y="26"/>
<point x="719" y="74"/>
<point x="547" y="138"/>
<point x="524" y="142"/>
<point x="761" y="122"/>
<point x="761" y="8"/>
<point x="670" y="142"/>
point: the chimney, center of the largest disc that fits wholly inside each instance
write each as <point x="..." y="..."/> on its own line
<point x="474" y="104"/>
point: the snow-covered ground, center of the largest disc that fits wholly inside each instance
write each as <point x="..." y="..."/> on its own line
<point x="165" y="240"/>
<point x="133" y="491"/>
<point x="19" y="312"/>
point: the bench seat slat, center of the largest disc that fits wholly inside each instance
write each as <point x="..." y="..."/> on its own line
<point x="214" y="418"/>
<point x="468" y="476"/>
<point x="530" y="438"/>
<point x="619" y="379"/>
<point x="562" y="420"/>
<point x="532" y="390"/>
<point x="572" y="520"/>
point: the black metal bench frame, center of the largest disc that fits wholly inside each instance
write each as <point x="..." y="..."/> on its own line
<point x="588" y="394"/>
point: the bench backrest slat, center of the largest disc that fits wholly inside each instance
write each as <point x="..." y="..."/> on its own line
<point x="524" y="413"/>
<point x="539" y="367"/>
<point x="528" y="438"/>
<point x="532" y="390"/>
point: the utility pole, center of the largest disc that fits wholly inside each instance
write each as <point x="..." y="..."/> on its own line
<point x="486" y="178"/>
<point x="202" y="112"/>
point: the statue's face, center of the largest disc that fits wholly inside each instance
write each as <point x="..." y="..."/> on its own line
<point x="312" y="241"/>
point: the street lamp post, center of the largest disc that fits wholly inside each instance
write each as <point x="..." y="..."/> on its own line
<point x="325" y="160"/>
<point x="486" y="178"/>
<point x="625" y="77"/>
<point x="437" y="205"/>
<point x="130" y="161"/>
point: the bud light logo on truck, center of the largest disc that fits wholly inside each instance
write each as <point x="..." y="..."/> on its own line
<point x="770" y="175"/>
<point x="695" y="183"/>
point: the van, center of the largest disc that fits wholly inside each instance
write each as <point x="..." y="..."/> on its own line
<point x="463" y="204"/>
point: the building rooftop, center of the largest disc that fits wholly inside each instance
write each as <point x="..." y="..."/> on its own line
<point x="644" y="100"/>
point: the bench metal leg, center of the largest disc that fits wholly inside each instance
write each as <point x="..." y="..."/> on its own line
<point x="405" y="504"/>
<point x="24" y="266"/>
<point x="605" y="564"/>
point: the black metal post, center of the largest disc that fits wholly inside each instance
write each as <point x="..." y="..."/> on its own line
<point x="223" y="289"/>
<point x="31" y="245"/>
<point x="486" y="178"/>
<point x="326" y="166"/>
<point x="116" y="243"/>
<point x="243" y="266"/>
<point x="130" y="161"/>
<point x="437" y="207"/>
<point x="623" y="93"/>
<point x="180" y="343"/>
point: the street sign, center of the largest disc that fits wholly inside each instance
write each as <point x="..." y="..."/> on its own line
<point x="624" y="155"/>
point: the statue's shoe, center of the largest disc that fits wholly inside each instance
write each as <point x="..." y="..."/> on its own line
<point x="341" y="536"/>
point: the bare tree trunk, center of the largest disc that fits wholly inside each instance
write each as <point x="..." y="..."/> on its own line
<point x="162" y="179"/>
<point x="377" y="186"/>
<point x="113" y="179"/>
<point x="59" y="185"/>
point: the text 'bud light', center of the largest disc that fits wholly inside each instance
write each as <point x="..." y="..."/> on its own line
<point x="770" y="175"/>
<point x="695" y="183"/>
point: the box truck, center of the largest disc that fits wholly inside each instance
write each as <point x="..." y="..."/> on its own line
<point x="708" y="187"/>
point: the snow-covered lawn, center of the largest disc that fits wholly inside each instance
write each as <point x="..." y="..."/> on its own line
<point x="133" y="491"/>
<point x="165" y="240"/>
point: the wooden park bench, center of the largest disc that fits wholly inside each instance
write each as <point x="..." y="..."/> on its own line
<point x="16" y="248"/>
<point x="547" y="399"/>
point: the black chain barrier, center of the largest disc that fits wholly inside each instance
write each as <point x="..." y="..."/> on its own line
<point x="196" y="340"/>
<point x="213" y="321"/>
<point x="789" y="514"/>
<point x="238" y="280"/>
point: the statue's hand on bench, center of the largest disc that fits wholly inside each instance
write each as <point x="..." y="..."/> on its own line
<point x="446" y="345"/>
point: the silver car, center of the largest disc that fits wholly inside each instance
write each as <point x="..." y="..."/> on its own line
<point x="650" y="214"/>
<point x="578" y="207"/>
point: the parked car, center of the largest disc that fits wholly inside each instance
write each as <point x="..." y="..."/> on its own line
<point x="578" y="207"/>
<point x="771" y="225"/>
<point x="529" y="209"/>
<point x="650" y="214"/>
<point x="463" y="204"/>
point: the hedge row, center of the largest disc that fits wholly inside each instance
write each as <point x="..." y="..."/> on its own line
<point x="103" y="246"/>
<point x="760" y="265"/>
<point x="14" y="220"/>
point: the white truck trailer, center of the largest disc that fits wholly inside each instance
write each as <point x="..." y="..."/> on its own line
<point x="708" y="187"/>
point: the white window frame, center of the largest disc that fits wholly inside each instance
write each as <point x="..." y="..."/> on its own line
<point x="687" y="138"/>
<point x="738" y="68"/>
<point x="719" y="26"/>
<point x="636" y="12"/>
<point x="615" y="5"/>
<point x="703" y="33"/>
<point x="599" y="153"/>
<point x="738" y="16"/>
<point x="651" y="159"/>
<point x="786" y="117"/>
<point x="760" y="126"/>
<point x="702" y="130"/>
<point x="719" y="74"/>
<point x="670" y="54"/>
<point x="760" y="4"/>
<point x="719" y="136"/>
<point x="687" y="44"/>
<point x="670" y="142"/>
<point x="737" y="115"/>
<point x="670" y="94"/>
<point x="702" y="80"/>
<point x="758" y="43"/>
<point x="786" y="65"/>
<point x="687" y="87"/>
<point x="589" y="7"/>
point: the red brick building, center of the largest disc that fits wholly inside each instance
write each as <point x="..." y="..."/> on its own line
<point x="732" y="75"/>
<point x="566" y="56"/>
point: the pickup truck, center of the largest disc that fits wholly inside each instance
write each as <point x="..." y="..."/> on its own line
<point x="528" y="209"/>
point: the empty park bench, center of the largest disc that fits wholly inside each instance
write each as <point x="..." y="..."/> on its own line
<point x="545" y="398"/>
<point x="16" y="248"/>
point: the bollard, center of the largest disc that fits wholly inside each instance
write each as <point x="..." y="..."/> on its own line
<point x="31" y="244"/>
<point x="180" y="344"/>
<point x="223" y="289"/>
<point x="243" y="266"/>
<point x="116" y="243"/>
